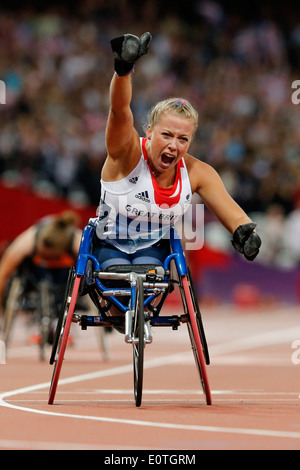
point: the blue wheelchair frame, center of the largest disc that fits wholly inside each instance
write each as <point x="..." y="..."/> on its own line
<point x="84" y="255"/>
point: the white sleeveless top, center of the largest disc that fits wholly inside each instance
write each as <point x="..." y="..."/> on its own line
<point x="135" y="212"/>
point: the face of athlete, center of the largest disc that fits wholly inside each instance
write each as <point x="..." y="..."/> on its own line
<point x="169" y="141"/>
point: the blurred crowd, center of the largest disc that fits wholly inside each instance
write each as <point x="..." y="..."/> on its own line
<point x="236" y="65"/>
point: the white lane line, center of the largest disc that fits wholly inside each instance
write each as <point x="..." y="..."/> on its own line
<point x="252" y="342"/>
<point x="2" y="352"/>
<point x="247" y="343"/>
<point x="173" y="359"/>
<point x="182" y="427"/>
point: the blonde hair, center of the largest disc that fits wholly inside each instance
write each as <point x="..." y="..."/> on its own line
<point x="178" y="106"/>
<point x="58" y="233"/>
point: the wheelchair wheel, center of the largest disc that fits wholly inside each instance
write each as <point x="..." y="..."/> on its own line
<point x="63" y="311"/>
<point x="11" y="308"/>
<point x="138" y="341"/>
<point x="62" y="331"/>
<point x="199" y="319"/>
<point x="197" y="347"/>
<point x="44" y="316"/>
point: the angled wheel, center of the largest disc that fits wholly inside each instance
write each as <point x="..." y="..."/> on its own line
<point x="62" y="332"/>
<point x="198" y="319"/>
<point x="61" y="317"/>
<point x="193" y="329"/>
<point x="138" y="341"/>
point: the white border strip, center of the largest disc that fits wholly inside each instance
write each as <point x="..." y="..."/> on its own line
<point x="2" y="352"/>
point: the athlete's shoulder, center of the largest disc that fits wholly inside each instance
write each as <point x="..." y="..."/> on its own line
<point x="120" y="164"/>
<point x="193" y="162"/>
<point x="199" y="172"/>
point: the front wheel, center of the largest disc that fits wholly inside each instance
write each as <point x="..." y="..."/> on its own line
<point x="138" y="341"/>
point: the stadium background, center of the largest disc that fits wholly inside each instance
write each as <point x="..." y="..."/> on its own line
<point x="235" y="63"/>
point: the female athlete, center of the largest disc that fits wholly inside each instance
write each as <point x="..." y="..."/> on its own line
<point x="147" y="183"/>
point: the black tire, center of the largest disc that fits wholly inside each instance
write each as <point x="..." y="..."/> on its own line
<point x="199" y="319"/>
<point x="63" y="337"/>
<point x="64" y="309"/>
<point x="195" y="338"/>
<point x="138" y="341"/>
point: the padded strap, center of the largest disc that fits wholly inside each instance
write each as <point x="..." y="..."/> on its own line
<point x="128" y="268"/>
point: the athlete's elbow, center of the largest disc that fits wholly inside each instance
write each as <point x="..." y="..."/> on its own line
<point x="120" y="115"/>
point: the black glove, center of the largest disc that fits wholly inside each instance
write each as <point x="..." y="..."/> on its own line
<point x="127" y="50"/>
<point x="246" y="241"/>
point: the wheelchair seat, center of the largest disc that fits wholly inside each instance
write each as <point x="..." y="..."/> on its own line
<point x="148" y="271"/>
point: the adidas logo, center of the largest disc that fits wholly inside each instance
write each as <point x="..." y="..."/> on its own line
<point x="144" y="196"/>
<point x="134" y="179"/>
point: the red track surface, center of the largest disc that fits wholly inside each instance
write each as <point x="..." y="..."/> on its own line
<point x="254" y="381"/>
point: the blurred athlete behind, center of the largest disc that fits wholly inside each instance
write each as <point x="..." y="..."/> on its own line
<point x="48" y="248"/>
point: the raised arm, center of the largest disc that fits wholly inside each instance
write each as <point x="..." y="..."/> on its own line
<point x="120" y="131"/>
<point x="122" y="140"/>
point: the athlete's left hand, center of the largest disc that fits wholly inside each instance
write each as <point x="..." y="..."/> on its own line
<point x="246" y="241"/>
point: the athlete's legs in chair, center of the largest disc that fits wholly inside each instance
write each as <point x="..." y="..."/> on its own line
<point x="108" y="256"/>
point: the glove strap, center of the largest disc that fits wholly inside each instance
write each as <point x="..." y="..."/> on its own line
<point x="123" y="68"/>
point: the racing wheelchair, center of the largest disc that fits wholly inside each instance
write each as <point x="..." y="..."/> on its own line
<point x="34" y="297"/>
<point x="138" y="292"/>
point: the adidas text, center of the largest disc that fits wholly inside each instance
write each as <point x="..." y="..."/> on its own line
<point x="143" y="196"/>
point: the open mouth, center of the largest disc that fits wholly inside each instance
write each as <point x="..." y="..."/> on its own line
<point x="166" y="159"/>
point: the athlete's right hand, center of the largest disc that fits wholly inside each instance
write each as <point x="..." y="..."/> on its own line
<point x="127" y="50"/>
